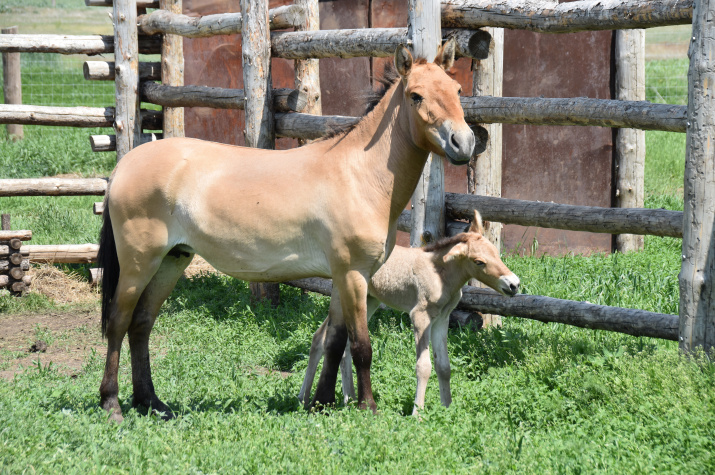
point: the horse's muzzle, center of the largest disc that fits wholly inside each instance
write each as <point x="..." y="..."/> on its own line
<point x="459" y="145"/>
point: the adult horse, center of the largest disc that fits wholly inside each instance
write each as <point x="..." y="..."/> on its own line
<point x="326" y="209"/>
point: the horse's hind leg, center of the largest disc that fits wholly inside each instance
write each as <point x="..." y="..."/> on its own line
<point x="145" y="313"/>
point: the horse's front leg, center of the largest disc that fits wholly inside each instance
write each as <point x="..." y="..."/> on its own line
<point x="334" y="340"/>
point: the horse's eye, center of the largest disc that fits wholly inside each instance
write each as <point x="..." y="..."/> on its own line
<point x="478" y="262"/>
<point x="416" y="97"/>
<point x="459" y="93"/>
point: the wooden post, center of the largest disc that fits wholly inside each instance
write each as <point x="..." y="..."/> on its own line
<point x="127" y="121"/>
<point x="12" y="84"/>
<point x="697" y="294"/>
<point x="260" y="122"/>
<point x="424" y="28"/>
<point x="307" y="71"/>
<point x="5" y="222"/>
<point x="484" y="173"/>
<point x="172" y="72"/>
<point x="629" y="156"/>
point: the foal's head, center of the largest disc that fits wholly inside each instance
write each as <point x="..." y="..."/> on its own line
<point x="436" y="119"/>
<point x="480" y="258"/>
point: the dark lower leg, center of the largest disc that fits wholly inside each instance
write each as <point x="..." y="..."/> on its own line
<point x="362" y="358"/>
<point x="334" y="347"/>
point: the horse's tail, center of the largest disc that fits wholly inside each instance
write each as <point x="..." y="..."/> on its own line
<point x="108" y="261"/>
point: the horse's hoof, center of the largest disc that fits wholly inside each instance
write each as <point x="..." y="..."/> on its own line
<point x="115" y="417"/>
<point x="166" y="414"/>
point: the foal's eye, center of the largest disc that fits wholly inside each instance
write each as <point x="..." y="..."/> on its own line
<point x="416" y="97"/>
<point x="478" y="262"/>
<point x="459" y="93"/>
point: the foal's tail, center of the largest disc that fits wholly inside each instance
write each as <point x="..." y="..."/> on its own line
<point x="108" y="261"/>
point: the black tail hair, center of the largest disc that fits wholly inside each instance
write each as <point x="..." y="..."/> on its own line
<point x="108" y="261"/>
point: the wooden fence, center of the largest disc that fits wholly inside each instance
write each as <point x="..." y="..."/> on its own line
<point x="296" y="113"/>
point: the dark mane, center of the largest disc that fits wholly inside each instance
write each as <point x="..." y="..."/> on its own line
<point x="447" y="242"/>
<point x="372" y="97"/>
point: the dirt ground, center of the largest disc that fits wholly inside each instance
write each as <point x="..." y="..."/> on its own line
<point x="64" y="338"/>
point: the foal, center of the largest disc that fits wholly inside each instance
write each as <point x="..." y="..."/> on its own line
<point x="427" y="283"/>
<point x="327" y="209"/>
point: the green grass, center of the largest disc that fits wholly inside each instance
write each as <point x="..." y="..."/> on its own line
<point x="528" y="398"/>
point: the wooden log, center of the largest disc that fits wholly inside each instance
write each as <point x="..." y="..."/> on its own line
<point x="260" y="121"/>
<point x="51" y="187"/>
<point x="15" y="243"/>
<point x="284" y="100"/>
<point x="307" y="71"/>
<point x="104" y="71"/>
<point x="310" y="127"/>
<point x="550" y="17"/>
<point x="109" y="3"/>
<point x="313" y="284"/>
<point x="656" y="222"/>
<point x="575" y="111"/>
<point x="697" y="300"/>
<point x="71" y="44"/>
<point x="484" y="172"/>
<point x="6" y="265"/>
<point x="95" y="276"/>
<point x="6" y="234"/>
<point x="172" y="70"/>
<point x="466" y="319"/>
<point x="4" y="280"/>
<point x="127" y="117"/>
<point x="15" y="258"/>
<point x="428" y="211"/>
<point x="629" y="153"/>
<point x="6" y="251"/>
<point x="63" y="254"/>
<point x="5" y="222"/>
<point x="174" y="23"/>
<point x="16" y="273"/>
<point x="108" y="143"/>
<point x="70" y="116"/>
<point x="27" y="280"/>
<point x="373" y="42"/>
<point x="12" y="84"/>
<point x="579" y="314"/>
<point x="18" y="288"/>
<point x="98" y="207"/>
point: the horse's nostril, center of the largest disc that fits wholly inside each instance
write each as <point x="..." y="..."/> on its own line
<point x="454" y="142"/>
<point x="513" y="287"/>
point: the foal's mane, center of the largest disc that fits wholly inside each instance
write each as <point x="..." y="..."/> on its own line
<point x="447" y="242"/>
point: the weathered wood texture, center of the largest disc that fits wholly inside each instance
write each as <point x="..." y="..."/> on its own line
<point x="70" y="116"/>
<point x="629" y="156"/>
<point x="428" y="217"/>
<point x="697" y="292"/>
<point x="310" y="127"/>
<point x="575" y="111"/>
<point x="104" y="71"/>
<point x="284" y="100"/>
<point x="656" y="222"/>
<point x="108" y="143"/>
<point x="109" y="3"/>
<point x="484" y="170"/>
<point x="550" y="17"/>
<point x="373" y="42"/>
<point x="6" y="234"/>
<point x="307" y="71"/>
<point x="6" y="265"/>
<point x="63" y="254"/>
<point x="50" y="187"/>
<point x="172" y="71"/>
<point x="260" y="121"/>
<point x="71" y="44"/>
<point x="579" y="314"/>
<point x="161" y="21"/>
<point x="127" y="121"/>
<point x="12" y="83"/>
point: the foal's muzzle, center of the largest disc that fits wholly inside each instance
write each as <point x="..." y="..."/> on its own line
<point x="458" y="144"/>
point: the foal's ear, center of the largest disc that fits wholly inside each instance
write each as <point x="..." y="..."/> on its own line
<point x="445" y="55"/>
<point x="477" y="225"/>
<point x="403" y="60"/>
<point x="460" y="250"/>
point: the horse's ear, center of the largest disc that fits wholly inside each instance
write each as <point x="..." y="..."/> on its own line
<point x="477" y="225"/>
<point x="460" y="250"/>
<point x="445" y="55"/>
<point x="403" y="60"/>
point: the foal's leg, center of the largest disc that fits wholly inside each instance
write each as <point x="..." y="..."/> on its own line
<point x="333" y="346"/>
<point x="316" y="353"/>
<point x="147" y="309"/>
<point x="423" y="366"/>
<point x="132" y="281"/>
<point x="346" y="365"/>
<point x="440" y="327"/>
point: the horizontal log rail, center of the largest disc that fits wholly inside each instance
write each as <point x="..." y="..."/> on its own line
<point x="582" y="111"/>
<point x="284" y="100"/>
<point x="550" y="17"/>
<point x="108" y="143"/>
<point x="70" y="116"/>
<point x="655" y="222"/>
<point x="62" y="254"/>
<point x="310" y="127"/>
<point x="580" y="314"/>
<point x="373" y="42"/>
<point x="52" y="187"/>
<point x="162" y="21"/>
<point x="109" y="3"/>
<point x="104" y="71"/>
<point x="71" y="44"/>
<point x="8" y="235"/>
<point x="548" y="310"/>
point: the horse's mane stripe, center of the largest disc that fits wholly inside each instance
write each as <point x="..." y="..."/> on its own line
<point x="446" y="242"/>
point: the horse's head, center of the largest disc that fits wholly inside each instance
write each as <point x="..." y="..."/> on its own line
<point x="436" y="116"/>
<point x="481" y="260"/>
